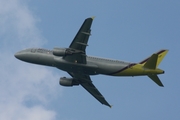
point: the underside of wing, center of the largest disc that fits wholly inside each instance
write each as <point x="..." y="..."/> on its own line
<point x="79" y="43"/>
<point x="81" y="39"/>
<point x="86" y="83"/>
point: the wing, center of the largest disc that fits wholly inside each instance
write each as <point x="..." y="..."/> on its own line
<point x="79" y="43"/>
<point x="86" y="83"/>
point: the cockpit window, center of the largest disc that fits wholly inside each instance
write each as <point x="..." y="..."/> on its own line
<point x="33" y="50"/>
<point x="40" y="50"/>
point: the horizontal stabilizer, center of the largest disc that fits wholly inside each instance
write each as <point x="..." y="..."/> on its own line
<point x="151" y="62"/>
<point x="156" y="79"/>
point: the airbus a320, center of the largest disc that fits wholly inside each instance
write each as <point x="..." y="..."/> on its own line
<point x="79" y="66"/>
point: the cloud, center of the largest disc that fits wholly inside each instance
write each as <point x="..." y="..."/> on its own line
<point x="25" y="90"/>
<point x="18" y="22"/>
<point x="19" y="112"/>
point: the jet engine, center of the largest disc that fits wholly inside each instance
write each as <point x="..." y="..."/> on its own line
<point x="59" y="51"/>
<point x="64" y="51"/>
<point x="68" y="82"/>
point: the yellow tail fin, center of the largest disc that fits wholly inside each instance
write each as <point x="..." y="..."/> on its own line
<point x="153" y="61"/>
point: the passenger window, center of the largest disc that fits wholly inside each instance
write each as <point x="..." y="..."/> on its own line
<point x="33" y="50"/>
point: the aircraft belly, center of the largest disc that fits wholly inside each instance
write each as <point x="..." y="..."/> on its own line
<point x="107" y="68"/>
<point x="118" y="69"/>
<point x="89" y="69"/>
<point x="132" y="70"/>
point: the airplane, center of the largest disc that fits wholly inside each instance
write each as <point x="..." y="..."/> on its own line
<point x="79" y="66"/>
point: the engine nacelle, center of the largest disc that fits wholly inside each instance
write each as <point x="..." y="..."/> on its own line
<point x="68" y="82"/>
<point x="65" y="51"/>
<point x="59" y="51"/>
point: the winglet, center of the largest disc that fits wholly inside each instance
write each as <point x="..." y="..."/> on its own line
<point x="107" y="104"/>
<point x="93" y="17"/>
<point x="111" y="106"/>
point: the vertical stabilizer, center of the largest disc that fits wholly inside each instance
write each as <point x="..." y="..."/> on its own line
<point x="161" y="54"/>
<point x="151" y="62"/>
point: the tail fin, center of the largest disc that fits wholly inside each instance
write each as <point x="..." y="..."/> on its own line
<point x="152" y="63"/>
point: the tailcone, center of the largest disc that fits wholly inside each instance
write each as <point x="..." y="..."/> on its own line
<point x="159" y="71"/>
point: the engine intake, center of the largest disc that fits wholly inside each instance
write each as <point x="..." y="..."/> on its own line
<point x="68" y="82"/>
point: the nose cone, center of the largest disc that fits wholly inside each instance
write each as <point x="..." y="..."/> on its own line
<point x="24" y="55"/>
<point x="18" y="55"/>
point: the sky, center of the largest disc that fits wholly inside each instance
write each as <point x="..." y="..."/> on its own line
<point x="123" y="30"/>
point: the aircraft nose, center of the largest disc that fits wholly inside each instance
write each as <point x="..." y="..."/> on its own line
<point x="17" y="55"/>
